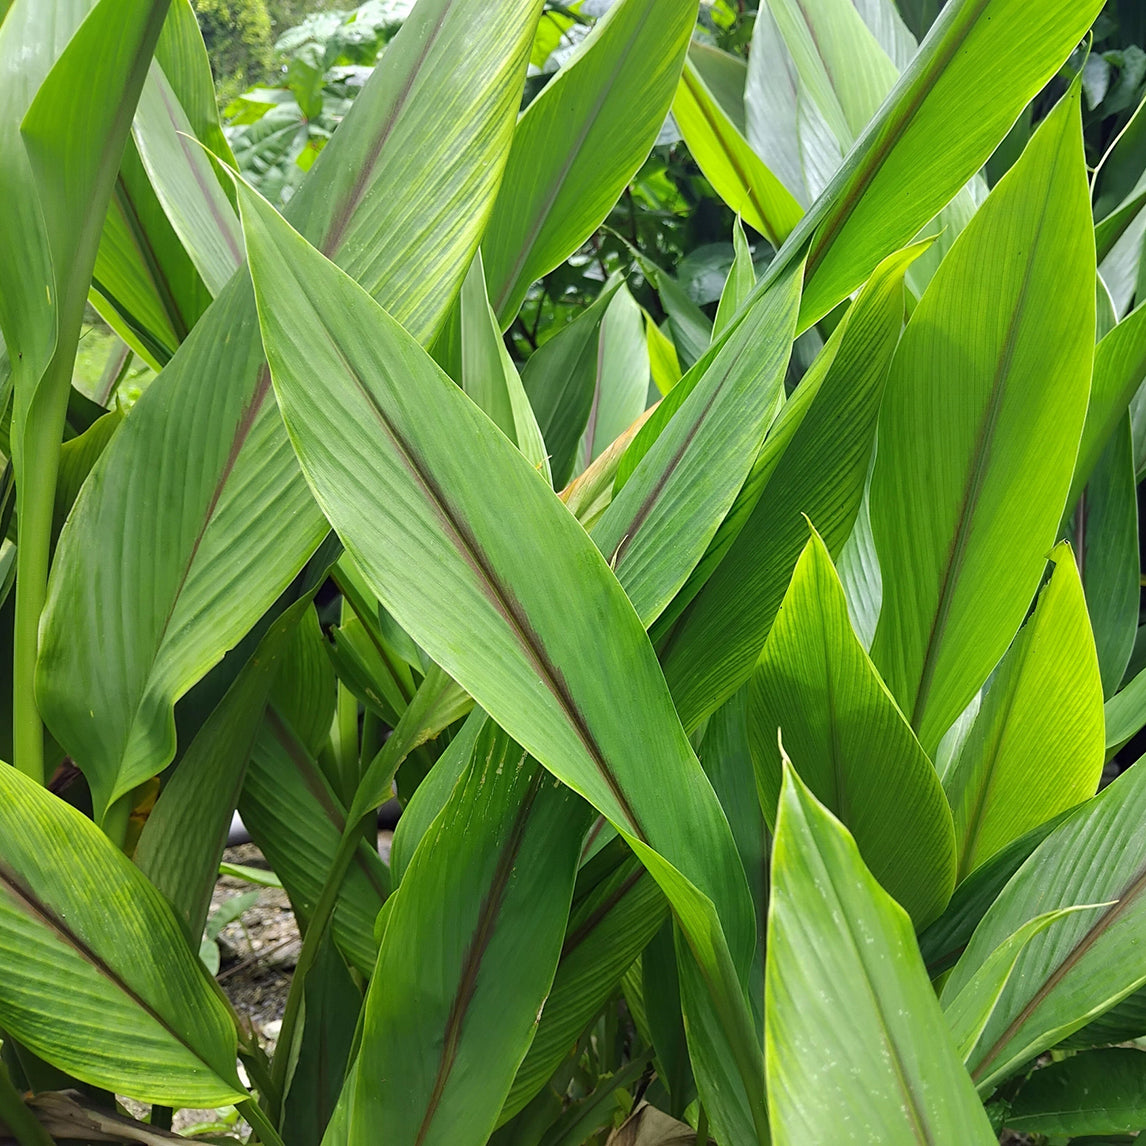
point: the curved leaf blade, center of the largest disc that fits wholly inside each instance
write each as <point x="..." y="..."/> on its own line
<point x="141" y="1016"/>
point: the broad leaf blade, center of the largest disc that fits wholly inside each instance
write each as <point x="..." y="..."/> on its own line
<point x="581" y="141"/>
<point x="816" y="687"/>
<point x="471" y="946"/>
<point x="201" y="503"/>
<point x="979" y="429"/>
<point x="139" y="1015"/>
<point x="856" y="1050"/>
<point x="520" y="634"/>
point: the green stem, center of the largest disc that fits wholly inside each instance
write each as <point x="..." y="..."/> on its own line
<point x="115" y="820"/>
<point x="701" y="1127"/>
<point x="22" y="1123"/>
<point x="260" y="1123"/>
<point x="37" y="472"/>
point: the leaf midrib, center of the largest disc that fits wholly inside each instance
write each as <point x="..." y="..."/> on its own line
<point x="1125" y="901"/>
<point x="976" y="478"/>
<point x="39" y="911"/>
<point x="472" y="554"/>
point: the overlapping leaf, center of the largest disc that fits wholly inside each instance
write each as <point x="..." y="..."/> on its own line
<point x="979" y="429"/>
<point x="141" y="1017"/>
<point x="856" y="1050"/>
<point x="460" y="573"/>
<point x="817" y="688"/>
<point x="199" y="511"/>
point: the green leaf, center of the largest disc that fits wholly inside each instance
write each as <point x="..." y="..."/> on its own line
<point x="141" y="1017"/>
<point x="815" y="687"/>
<point x="200" y="499"/>
<point x="185" y="183"/>
<point x="683" y="486"/>
<point x="1037" y="746"/>
<point x="935" y="129"/>
<point x="815" y="462"/>
<point x="1104" y="531"/>
<point x="1087" y="962"/>
<point x="979" y="429"/>
<point x="488" y="375"/>
<point x="560" y="378"/>
<point x="943" y="941"/>
<point x="471" y="946"/>
<point x="581" y="141"/>
<point x="856" y="1049"/>
<point x="1119" y="369"/>
<point x="741" y="279"/>
<point x="182" y="841"/>
<point x="617" y="908"/>
<point x="622" y="378"/>
<point x="736" y="173"/>
<point x="968" y="1010"/>
<point x="296" y="819"/>
<point x="483" y="606"/>
<point x="1102" y="1092"/>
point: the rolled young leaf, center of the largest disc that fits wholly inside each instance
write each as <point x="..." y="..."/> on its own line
<point x="139" y="1015"/>
<point x="856" y="1049"/>
<point x="817" y="688"/>
<point x="979" y="430"/>
<point x="457" y="570"/>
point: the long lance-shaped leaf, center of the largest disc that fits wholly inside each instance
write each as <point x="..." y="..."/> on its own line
<point x="1087" y="962"/>
<point x="197" y="517"/>
<point x="138" y="1014"/>
<point x="852" y="746"/>
<point x="581" y="141"/>
<point x="1119" y="369"/>
<point x="463" y="577"/>
<point x="611" y="922"/>
<point x="691" y="475"/>
<point x="296" y="819"/>
<point x="856" y="1048"/>
<point x="917" y="152"/>
<point x="144" y="284"/>
<point x="814" y="462"/>
<point x="979" y="429"/>
<point x="739" y="176"/>
<point x="61" y="151"/>
<point x="185" y="183"/>
<point x="472" y="942"/>
<point x="1036" y="747"/>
